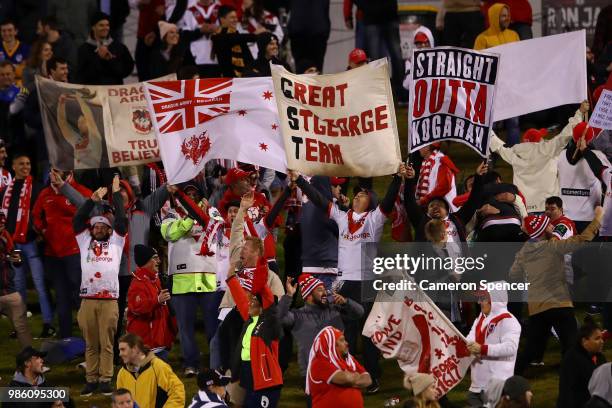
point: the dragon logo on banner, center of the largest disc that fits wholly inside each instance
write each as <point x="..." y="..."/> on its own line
<point x="196" y="147"/>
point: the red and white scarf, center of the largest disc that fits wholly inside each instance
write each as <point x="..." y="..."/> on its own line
<point x="205" y="15"/>
<point x="354" y="226"/>
<point x="426" y="168"/>
<point x="324" y="347"/>
<point x="23" y="211"/>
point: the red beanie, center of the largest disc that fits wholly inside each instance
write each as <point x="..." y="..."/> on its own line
<point x="534" y="135"/>
<point x="535" y="225"/>
<point x="580" y="129"/>
<point x="308" y="283"/>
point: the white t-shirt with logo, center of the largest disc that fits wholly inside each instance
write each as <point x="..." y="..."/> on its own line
<point x="100" y="261"/>
<point x="350" y="250"/>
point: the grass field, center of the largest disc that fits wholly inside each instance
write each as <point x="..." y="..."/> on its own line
<point x="544" y="379"/>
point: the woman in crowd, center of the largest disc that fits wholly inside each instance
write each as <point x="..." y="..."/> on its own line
<point x="167" y="57"/>
<point x="423" y="387"/>
<point x="37" y="63"/>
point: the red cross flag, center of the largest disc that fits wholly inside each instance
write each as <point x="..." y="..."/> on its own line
<point x="216" y="118"/>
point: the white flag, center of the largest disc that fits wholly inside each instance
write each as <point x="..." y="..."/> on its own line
<point x="418" y="335"/>
<point x="217" y="118"/>
<point x="539" y="74"/>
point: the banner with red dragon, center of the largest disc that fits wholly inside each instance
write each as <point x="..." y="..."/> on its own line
<point x="216" y="118"/>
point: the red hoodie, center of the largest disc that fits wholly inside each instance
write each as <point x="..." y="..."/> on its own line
<point x="52" y="216"/>
<point x="146" y="317"/>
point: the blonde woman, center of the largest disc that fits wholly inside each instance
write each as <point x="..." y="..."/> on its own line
<point x="423" y="387"/>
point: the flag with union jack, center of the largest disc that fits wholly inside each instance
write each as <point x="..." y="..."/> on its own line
<point x="215" y="118"/>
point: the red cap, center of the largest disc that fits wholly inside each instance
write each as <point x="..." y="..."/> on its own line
<point x="534" y="135"/>
<point x="336" y="181"/>
<point x="536" y="224"/>
<point x="235" y="174"/>
<point x="358" y="56"/>
<point x="580" y="129"/>
<point x="421" y="37"/>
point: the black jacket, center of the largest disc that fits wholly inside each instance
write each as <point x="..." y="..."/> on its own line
<point x="418" y="215"/>
<point x="232" y="51"/>
<point x="309" y="18"/>
<point x="597" y="402"/>
<point x="93" y="70"/>
<point x="378" y="11"/>
<point x="577" y="367"/>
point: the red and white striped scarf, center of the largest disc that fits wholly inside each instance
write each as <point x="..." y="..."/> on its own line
<point x="426" y="168"/>
<point x="23" y="211"/>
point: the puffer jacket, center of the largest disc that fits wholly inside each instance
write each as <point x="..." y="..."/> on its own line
<point x="498" y="333"/>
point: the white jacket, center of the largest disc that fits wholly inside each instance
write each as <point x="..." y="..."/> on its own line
<point x="534" y="165"/>
<point x="501" y="344"/>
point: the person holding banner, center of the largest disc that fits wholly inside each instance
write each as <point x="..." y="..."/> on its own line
<point x="436" y="177"/>
<point x="439" y="208"/>
<point x="361" y="225"/>
<point x="494" y="340"/>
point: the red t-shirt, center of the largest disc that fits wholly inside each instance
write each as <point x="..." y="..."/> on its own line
<point x="328" y="395"/>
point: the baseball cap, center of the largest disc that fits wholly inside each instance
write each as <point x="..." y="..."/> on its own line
<point x="357" y="56"/>
<point x="336" y="181"/>
<point x="99" y="219"/>
<point x="235" y="174"/>
<point x="26" y="354"/>
<point x="208" y="377"/>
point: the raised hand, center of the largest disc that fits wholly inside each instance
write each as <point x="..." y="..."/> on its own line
<point x="99" y="194"/>
<point x="289" y="288"/>
<point x="116" y="184"/>
<point x="482" y="168"/>
<point x="247" y="200"/>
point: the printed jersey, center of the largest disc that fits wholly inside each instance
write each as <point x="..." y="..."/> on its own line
<point x="353" y="231"/>
<point x="100" y="262"/>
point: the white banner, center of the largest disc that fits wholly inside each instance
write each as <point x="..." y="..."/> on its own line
<point x="216" y="118"/>
<point x="602" y="114"/>
<point x="540" y="73"/>
<point x="339" y="125"/>
<point x="95" y="126"/>
<point x="451" y="97"/>
<point x="418" y="335"/>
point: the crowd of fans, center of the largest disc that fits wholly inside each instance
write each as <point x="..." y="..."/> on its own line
<point x="138" y="258"/>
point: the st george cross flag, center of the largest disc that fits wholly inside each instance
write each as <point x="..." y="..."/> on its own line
<point x="412" y="330"/>
<point x="216" y="118"/>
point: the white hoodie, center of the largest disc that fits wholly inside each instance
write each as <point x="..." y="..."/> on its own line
<point x="500" y="345"/>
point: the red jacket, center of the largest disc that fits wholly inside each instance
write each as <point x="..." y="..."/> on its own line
<point x="265" y="368"/>
<point x="52" y="217"/>
<point x="146" y="317"/>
